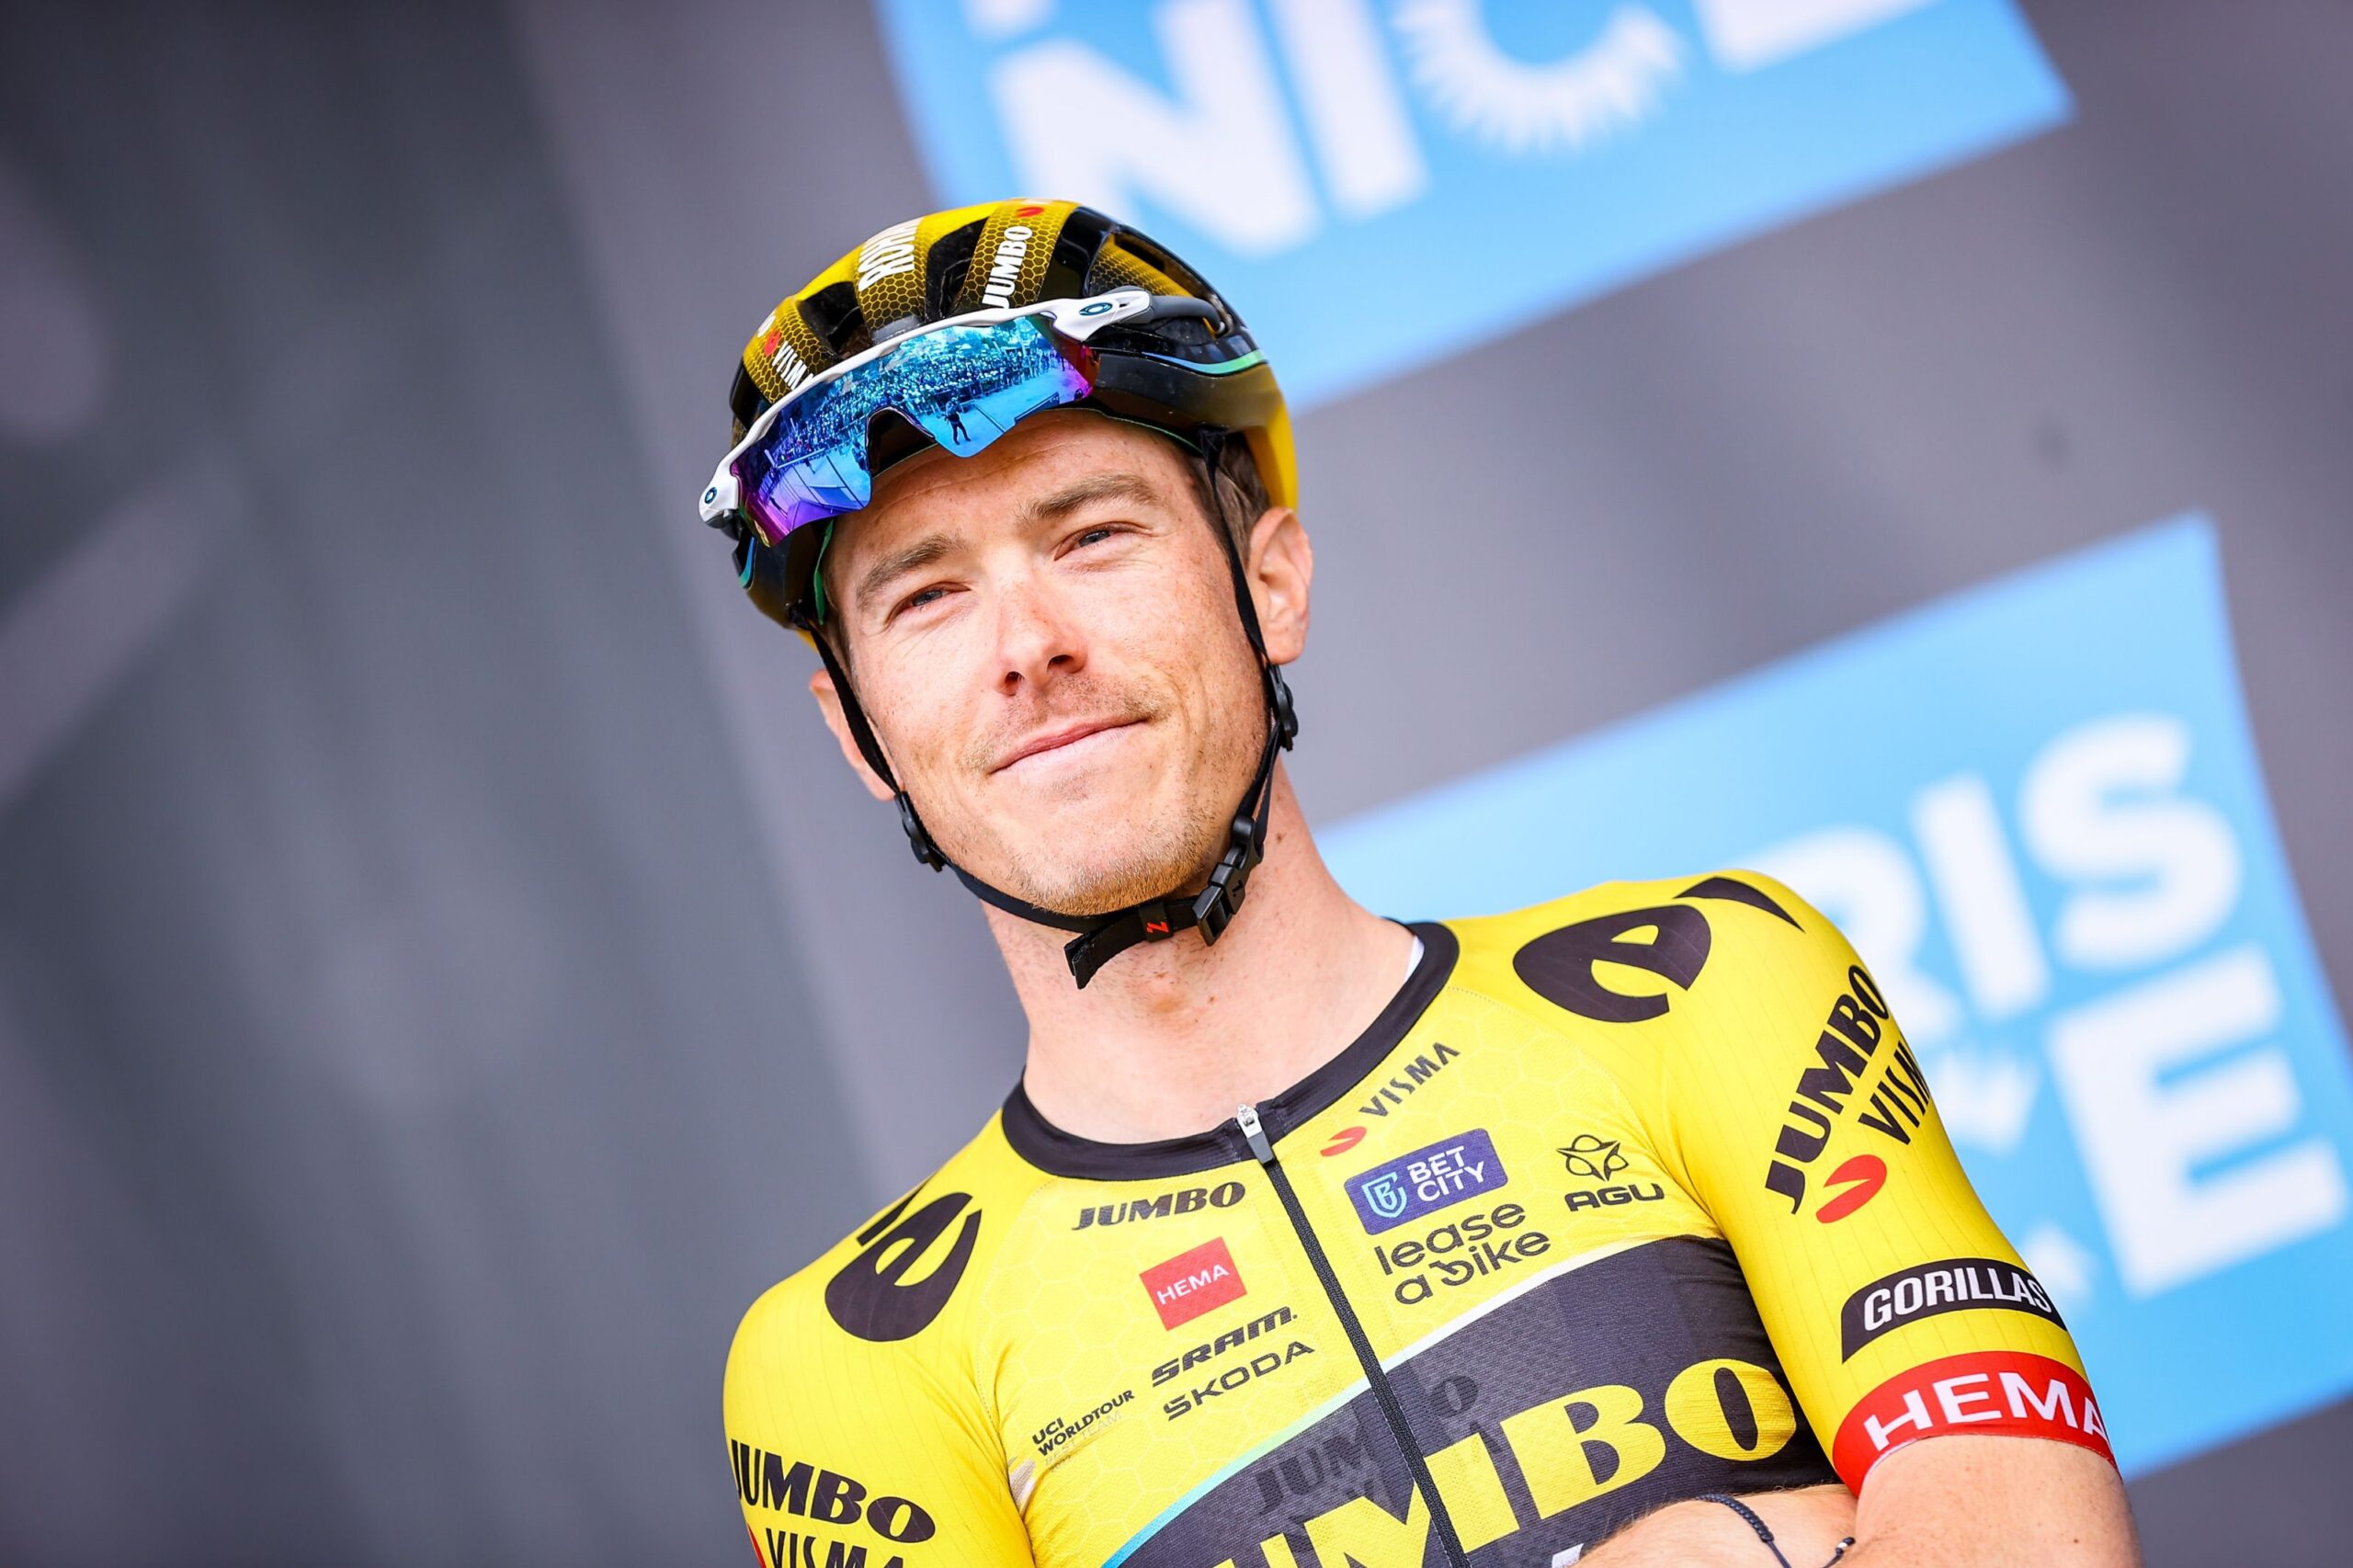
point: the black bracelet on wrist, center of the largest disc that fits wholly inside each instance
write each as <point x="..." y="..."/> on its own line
<point x="1763" y="1534"/>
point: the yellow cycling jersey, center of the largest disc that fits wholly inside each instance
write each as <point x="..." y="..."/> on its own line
<point x="1624" y="1199"/>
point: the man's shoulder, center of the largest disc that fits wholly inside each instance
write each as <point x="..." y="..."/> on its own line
<point x="905" y="1277"/>
<point x="1626" y="952"/>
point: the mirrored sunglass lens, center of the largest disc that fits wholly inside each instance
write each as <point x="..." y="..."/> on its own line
<point x="963" y="386"/>
<point x="967" y="386"/>
<point x="823" y="485"/>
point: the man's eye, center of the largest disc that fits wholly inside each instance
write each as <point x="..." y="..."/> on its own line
<point x="921" y="597"/>
<point x="1092" y="536"/>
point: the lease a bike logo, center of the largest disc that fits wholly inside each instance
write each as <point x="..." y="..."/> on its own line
<point x="1437" y="1176"/>
<point x="873" y="1297"/>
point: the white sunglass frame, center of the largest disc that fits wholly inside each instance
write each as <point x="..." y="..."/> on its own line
<point x="1077" y="320"/>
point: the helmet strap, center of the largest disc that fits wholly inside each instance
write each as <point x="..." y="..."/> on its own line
<point x="1102" y="937"/>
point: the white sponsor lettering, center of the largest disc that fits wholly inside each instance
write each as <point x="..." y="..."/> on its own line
<point x="1004" y="265"/>
<point x="2058" y="1405"/>
<point x="784" y="359"/>
<point x="1954" y="1394"/>
<point x="1185" y="1285"/>
<point x="1915" y="1416"/>
<point x="887" y="255"/>
<point x="1978" y="1396"/>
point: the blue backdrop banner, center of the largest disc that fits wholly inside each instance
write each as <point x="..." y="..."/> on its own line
<point x="1378" y="182"/>
<point x="2037" y="809"/>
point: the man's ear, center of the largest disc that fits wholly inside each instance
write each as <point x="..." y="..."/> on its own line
<point x="829" y="703"/>
<point x="1280" y="567"/>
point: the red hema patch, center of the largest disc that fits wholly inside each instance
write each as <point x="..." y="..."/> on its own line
<point x="1991" y="1391"/>
<point x="1193" y="1282"/>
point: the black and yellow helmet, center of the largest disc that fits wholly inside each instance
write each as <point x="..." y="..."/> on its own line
<point x="1195" y="375"/>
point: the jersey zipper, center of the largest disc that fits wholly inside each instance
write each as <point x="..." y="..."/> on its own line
<point x="1263" y="1149"/>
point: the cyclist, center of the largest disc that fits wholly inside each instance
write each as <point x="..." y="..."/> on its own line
<point x="1623" y="1226"/>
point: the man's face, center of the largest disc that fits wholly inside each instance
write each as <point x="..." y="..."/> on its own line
<point x="1045" y="638"/>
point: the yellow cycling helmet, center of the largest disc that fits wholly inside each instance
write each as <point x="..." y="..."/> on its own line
<point x="1175" y="358"/>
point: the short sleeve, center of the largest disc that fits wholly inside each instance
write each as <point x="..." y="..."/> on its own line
<point x="1805" y="1126"/>
<point x="840" y="1444"/>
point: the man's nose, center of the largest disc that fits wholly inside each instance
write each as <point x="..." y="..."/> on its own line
<point x="1037" y="639"/>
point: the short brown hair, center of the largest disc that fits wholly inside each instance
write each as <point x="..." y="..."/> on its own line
<point x="1232" y="493"/>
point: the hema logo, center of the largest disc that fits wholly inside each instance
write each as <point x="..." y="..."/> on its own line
<point x="1311" y="153"/>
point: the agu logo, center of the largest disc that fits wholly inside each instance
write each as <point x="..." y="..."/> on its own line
<point x="1595" y="1159"/>
<point x="1193" y="1282"/>
<point x="1428" y="1179"/>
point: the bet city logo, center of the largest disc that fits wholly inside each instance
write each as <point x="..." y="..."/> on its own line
<point x="1435" y="1177"/>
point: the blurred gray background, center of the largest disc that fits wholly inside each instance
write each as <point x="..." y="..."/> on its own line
<point x="445" y="969"/>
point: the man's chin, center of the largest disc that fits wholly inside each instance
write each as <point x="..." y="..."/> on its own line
<point x="1064" y="877"/>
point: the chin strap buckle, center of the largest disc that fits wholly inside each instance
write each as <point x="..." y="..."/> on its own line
<point x="919" y="836"/>
<point x="1279" y="700"/>
<point x="1215" y="906"/>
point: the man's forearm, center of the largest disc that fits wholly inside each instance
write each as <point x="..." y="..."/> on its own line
<point x="1969" y="1501"/>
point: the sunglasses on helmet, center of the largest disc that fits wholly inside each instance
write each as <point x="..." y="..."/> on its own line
<point x="963" y="383"/>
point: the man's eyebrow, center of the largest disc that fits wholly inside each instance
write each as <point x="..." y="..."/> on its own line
<point x="1113" y="486"/>
<point x="914" y="558"/>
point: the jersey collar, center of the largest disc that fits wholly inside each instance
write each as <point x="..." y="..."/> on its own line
<point x="1062" y="1154"/>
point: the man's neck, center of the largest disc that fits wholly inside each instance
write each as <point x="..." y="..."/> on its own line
<point x="1170" y="1037"/>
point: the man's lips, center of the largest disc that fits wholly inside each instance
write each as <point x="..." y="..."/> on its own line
<point x="1055" y="740"/>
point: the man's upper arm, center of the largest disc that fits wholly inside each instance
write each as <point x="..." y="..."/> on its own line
<point x="839" y="1439"/>
<point x="1804" y="1126"/>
